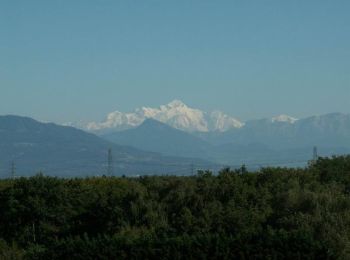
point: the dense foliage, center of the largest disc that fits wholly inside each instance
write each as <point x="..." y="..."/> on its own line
<point x="276" y="213"/>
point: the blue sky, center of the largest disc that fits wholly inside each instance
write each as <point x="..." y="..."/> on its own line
<point x="78" y="60"/>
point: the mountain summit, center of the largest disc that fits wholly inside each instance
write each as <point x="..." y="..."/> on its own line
<point x="155" y="136"/>
<point x="175" y="114"/>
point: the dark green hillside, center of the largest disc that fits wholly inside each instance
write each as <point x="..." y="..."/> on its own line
<point x="276" y="213"/>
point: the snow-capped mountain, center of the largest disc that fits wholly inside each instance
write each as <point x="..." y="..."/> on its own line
<point x="281" y="138"/>
<point x="175" y="114"/>
<point x="330" y="130"/>
<point x="222" y="122"/>
<point x="284" y="119"/>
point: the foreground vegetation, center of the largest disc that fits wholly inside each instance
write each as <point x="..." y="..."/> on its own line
<point x="276" y="213"/>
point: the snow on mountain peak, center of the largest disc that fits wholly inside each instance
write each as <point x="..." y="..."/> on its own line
<point x="222" y="122"/>
<point x="284" y="119"/>
<point x="176" y="114"/>
<point x="180" y="116"/>
<point x="176" y="103"/>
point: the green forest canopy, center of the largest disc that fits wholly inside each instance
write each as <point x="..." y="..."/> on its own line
<point x="276" y="213"/>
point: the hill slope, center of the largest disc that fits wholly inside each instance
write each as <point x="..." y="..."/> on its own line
<point x="275" y="141"/>
<point x="155" y="136"/>
<point x="66" y="151"/>
<point x="331" y="130"/>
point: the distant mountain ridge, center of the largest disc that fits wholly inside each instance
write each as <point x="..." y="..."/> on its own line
<point x="327" y="130"/>
<point x="155" y="136"/>
<point x="66" y="151"/>
<point x="224" y="139"/>
<point x="175" y="114"/>
<point x="281" y="139"/>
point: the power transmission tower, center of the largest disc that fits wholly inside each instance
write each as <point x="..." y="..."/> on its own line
<point x="13" y="170"/>
<point x="192" y="169"/>
<point x="315" y="154"/>
<point x="110" y="163"/>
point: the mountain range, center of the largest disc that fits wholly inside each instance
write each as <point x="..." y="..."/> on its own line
<point x="65" y="151"/>
<point x="172" y="139"/>
<point x="261" y="142"/>
<point x="279" y="140"/>
<point x="175" y="114"/>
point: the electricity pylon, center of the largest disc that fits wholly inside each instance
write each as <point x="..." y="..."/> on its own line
<point x="110" y="163"/>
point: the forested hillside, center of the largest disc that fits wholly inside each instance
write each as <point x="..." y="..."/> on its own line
<point x="276" y="213"/>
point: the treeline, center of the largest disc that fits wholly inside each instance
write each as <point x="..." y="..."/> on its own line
<point x="276" y="213"/>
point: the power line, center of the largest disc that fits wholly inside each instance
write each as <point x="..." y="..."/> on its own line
<point x="315" y="154"/>
<point x="110" y="163"/>
<point x="13" y="170"/>
<point x="177" y="169"/>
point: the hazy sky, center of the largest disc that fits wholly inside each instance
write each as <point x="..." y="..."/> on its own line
<point x="69" y="60"/>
